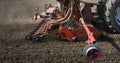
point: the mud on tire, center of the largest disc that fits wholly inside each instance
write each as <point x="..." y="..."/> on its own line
<point x="109" y="11"/>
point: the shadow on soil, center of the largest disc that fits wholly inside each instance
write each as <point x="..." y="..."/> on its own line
<point x="105" y="34"/>
<point x="110" y="40"/>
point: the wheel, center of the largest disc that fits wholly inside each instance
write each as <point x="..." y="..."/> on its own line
<point x="92" y="51"/>
<point x="37" y="38"/>
<point x="28" y="37"/>
<point x="110" y="14"/>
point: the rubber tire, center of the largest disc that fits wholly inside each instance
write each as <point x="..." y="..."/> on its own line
<point x="108" y="14"/>
<point x="28" y="37"/>
<point x="92" y="46"/>
<point x="110" y="11"/>
<point x="37" y="38"/>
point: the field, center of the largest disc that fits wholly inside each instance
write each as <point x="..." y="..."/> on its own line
<point x="16" y="21"/>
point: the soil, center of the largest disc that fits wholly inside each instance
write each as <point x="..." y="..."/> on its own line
<point x="16" y="21"/>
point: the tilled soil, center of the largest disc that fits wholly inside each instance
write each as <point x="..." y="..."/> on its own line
<point x="16" y="21"/>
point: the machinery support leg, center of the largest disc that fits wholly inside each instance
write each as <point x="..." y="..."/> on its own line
<point x="92" y="51"/>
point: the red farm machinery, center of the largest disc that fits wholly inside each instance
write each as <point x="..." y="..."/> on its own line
<point x="72" y="20"/>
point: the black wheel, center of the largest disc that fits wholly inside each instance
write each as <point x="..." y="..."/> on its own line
<point x="113" y="15"/>
<point x="28" y="37"/>
<point x="37" y="38"/>
<point x="110" y="12"/>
